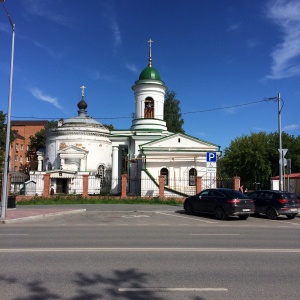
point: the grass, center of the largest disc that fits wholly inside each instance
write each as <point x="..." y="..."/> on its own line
<point x="59" y="200"/>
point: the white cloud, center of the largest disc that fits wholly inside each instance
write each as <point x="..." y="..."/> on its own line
<point x="290" y="127"/>
<point x="234" y="27"/>
<point x="5" y="28"/>
<point x="38" y="94"/>
<point x="251" y="43"/>
<point x="230" y="109"/>
<point x="48" y="50"/>
<point x="96" y="75"/>
<point x="38" y="8"/>
<point x="285" y="56"/>
<point x="132" y="68"/>
<point x="110" y="16"/>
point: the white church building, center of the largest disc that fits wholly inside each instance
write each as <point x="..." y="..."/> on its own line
<point x="81" y="145"/>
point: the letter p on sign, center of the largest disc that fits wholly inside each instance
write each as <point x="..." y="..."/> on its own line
<point x="211" y="156"/>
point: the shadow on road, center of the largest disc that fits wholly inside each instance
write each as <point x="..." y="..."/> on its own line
<point x="91" y="287"/>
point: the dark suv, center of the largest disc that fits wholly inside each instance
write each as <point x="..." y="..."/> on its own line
<point x="275" y="203"/>
<point x="220" y="202"/>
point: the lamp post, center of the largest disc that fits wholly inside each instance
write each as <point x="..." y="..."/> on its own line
<point x="281" y="151"/>
<point x="8" y="126"/>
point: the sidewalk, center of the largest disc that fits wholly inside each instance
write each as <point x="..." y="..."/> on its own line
<point x="26" y="213"/>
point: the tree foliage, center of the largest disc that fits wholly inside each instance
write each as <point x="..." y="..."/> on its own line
<point x="172" y="113"/>
<point x="110" y="127"/>
<point x="38" y="141"/>
<point x="255" y="158"/>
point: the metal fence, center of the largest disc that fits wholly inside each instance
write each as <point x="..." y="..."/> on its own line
<point x="100" y="185"/>
<point x="136" y="186"/>
<point x="252" y="186"/>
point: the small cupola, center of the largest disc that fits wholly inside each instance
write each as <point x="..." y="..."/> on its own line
<point x="149" y="72"/>
<point x="82" y="105"/>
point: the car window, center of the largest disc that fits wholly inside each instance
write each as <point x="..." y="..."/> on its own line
<point x="253" y="195"/>
<point x="217" y="194"/>
<point x="204" y="193"/>
<point x="288" y="196"/>
<point x="233" y="194"/>
<point x="267" y="195"/>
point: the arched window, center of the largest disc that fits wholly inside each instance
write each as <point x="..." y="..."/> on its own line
<point x="192" y="177"/>
<point x="100" y="173"/>
<point x="149" y="108"/>
<point x="164" y="172"/>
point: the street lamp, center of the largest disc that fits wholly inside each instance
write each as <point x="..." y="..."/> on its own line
<point x="8" y="126"/>
<point x="281" y="151"/>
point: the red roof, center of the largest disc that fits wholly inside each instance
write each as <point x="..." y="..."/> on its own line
<point x="290" y="176"/>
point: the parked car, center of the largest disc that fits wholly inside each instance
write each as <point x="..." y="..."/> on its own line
<point x="275" y="203"/>
<point x="220" y="202"/>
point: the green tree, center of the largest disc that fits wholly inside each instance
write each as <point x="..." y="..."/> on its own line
<point x="172" y="113"/>
<point x="38" y="141"/>
<point x="109" y="126"/>
<point x="255" y="158"/>
<point x="3" y="138"/>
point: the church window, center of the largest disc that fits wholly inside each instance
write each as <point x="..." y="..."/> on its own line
<point x="178" y="140"/>
<point x="149" y="108"/>
<point x="192" y="177"/>
<point x="100" y="173"/>
<point x="164" y="172"/>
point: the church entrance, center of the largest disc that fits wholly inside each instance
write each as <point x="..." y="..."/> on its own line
<point x="61" y="186"/>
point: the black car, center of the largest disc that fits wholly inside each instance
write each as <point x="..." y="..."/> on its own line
<point x="220" y="202"/>
<point x="275" y="203"/>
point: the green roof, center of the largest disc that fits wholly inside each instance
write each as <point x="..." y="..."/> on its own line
<point x="149" y="73"/>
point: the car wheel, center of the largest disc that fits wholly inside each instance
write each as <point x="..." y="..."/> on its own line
<point x="220" y="214"/>
<point x="244" y="217"/>
<point x="188" y="209"/>
<point x="271" y="213"/>
<point x="291" y="216"/>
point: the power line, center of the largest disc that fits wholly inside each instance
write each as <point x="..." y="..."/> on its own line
<point x="183" y="113"/>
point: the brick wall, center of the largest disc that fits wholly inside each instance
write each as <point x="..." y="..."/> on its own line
<point x="19" y="146"/>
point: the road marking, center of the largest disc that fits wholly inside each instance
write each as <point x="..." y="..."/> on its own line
<point x="190" y="218"/>
<point x="172" y="290"/>
<point x="13" y="234"/>
<point x="135" y="216"/>
<point x="231" y="250"/>
<point x="292" y="223"/>
<point x="214" y="234"/>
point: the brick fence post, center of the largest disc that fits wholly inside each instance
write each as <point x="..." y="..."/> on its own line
<point x="46" y="185"/>
<point x="85" y="185"/>
<point x="236" y="182"/>
<point x="9" y="184"/>
<point x="124" y="186"/>
<point x="161" y="181"/>
<point x="198" y="184"/>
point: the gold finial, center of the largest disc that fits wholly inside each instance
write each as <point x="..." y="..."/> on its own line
<point x="150" y="53"/>
<point x="82" y="91"/>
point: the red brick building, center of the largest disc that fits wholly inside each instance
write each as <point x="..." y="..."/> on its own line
<point x="19" y="147"/>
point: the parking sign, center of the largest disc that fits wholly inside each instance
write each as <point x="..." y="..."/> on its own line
<point x="211" y="156"/>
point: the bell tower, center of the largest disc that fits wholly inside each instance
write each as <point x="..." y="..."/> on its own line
<point x="149" y="93"/>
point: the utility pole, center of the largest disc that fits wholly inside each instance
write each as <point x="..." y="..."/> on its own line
<point x="8" y="126"/>
<point x="281" y="151"/>
<point x="280" y="143"/>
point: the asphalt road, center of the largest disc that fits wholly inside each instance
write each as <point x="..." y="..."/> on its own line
<point x="149" y="252"/>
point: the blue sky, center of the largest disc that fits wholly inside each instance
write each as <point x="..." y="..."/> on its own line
<point x="222" y="58"/>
